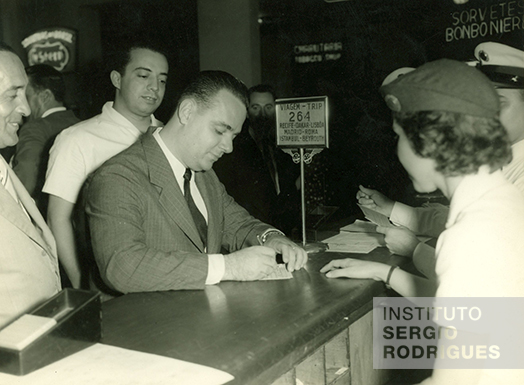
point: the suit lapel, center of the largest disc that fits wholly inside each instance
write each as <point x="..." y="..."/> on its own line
<point x="171" y="197"/>
<point x="17" y="217"/>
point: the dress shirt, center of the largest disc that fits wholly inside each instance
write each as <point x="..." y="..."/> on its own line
<point x="216" y="265"/>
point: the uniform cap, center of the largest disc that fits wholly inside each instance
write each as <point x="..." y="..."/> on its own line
<point x="443" y="85"/>
<point x="502" y="64"/>
<point x="397" y="73"/>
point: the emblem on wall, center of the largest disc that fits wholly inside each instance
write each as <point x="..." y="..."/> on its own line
<point x="53" y="46"/>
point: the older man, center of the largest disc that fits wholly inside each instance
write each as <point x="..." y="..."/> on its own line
<point x="28" y="261"/>
<point x="158" y="215"/>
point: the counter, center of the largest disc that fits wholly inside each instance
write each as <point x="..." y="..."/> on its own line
<point x="261" y="332"/>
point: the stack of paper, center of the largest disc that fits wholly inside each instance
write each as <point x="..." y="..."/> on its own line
<point x="360" y="227"/>
<point x="353" y="242"/>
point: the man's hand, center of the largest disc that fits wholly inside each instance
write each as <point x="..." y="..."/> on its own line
<point x="375" y="200"/>
<point x="294" y="256"/>
<point x="399" y="240"/>
<point x="355" y="268"/>
<point x="249" y="264"/>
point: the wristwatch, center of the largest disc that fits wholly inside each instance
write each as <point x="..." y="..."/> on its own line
<point x="263" y="238"/>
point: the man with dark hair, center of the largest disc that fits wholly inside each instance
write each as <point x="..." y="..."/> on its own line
<point x="81" y="149"/>
<point x="28" y="262"/>
<point x="159" y="217"/>
<point x="45" y="95"/>
<point x="258" y="175"/>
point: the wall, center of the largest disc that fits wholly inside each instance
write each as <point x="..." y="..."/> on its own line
<point x="229" y="38"/>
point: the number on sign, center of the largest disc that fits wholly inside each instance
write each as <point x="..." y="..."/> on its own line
<point x="299" y="116"/>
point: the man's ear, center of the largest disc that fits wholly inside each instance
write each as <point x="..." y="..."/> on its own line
<point x="45" y="96"/>
<point x="116" y="78"/>
<point x="185" y="110"/>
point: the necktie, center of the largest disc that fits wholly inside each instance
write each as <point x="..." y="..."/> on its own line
<point x="198" y="218"/>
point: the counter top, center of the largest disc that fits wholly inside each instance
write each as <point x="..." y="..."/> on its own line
<point x="255" y="331"/>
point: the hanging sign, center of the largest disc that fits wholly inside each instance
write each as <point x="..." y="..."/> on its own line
<point x="302" y="122"/>
<point x="53" y="46"/>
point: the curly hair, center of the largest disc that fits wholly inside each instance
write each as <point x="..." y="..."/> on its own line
<point x="458" y="143"/>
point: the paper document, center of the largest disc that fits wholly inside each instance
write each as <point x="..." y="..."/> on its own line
<point x="24" y="330"/>
<point x="109" y="365"/>
<point x="375" y="216"/>
<point x="279" y="272"/>
<point x="348" y="242"/>
<point x="360" y="227"/>
<point x="369" y="227"/>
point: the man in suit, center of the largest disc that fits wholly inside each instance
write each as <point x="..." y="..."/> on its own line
<point x="28" y="262"/>
<point x="158" y="215"/>
<point x="258" y="175"/>
<point x="45" y="95"/>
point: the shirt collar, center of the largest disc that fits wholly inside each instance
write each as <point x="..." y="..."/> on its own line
<point x="120" y="119"/>
<point x="178" y="168"/>
<point x="52" y="111"/>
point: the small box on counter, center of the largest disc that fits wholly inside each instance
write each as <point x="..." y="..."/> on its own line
<point x="65" y="324"/>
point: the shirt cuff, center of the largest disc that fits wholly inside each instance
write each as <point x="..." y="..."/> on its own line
<point x="401" y="214"/>
<point x="424" y="260"/>
<point x="216" y="268"/>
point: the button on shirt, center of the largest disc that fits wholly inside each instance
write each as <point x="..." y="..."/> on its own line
<point x="216" y="264"/>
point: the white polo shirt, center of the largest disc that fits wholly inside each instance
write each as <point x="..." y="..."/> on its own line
<point x="82" y="148"/>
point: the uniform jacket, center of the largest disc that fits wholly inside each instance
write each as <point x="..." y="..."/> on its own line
<point x="142" y="232"/>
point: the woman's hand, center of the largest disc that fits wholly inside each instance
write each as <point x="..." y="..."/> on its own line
<point x="355" y="268"/>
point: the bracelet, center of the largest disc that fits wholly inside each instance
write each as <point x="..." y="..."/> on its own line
<point x="389" y="276"/>
<point x="263" y="238"/>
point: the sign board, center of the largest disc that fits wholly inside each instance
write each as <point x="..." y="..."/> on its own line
<point x="302" y="122"/>
<point x="318" y="52"/>
<point x="53" y="46"/>
<point x="478" y="20"/>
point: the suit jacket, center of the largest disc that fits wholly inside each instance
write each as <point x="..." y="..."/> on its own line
<point x="32" y="151"/>
<point x="142" y="233"/>
<point x="28" y="261"/>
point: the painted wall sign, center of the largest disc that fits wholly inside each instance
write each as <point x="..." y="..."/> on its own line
<point x="494" y="19"/>
<point x="302" y="122"/>
<point x="53" y="46"/>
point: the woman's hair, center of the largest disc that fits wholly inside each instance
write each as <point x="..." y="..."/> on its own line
<point x="458" y="143"/>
